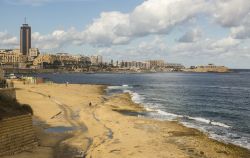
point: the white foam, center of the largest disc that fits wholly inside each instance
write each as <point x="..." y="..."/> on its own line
<point x="199" y="119"/>
<point x="167" y="114"/>
<point x="119" y="87"/>
<point x="242" y="141"/>
<point x="207" y="121"/>
<point x="220" y="124"/>
<point x="137" y="98"/>
<point x="227" y="138"/>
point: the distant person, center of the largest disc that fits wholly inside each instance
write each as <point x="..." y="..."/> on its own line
<point x="67" y="83"/>
<point x="90" y="104"/>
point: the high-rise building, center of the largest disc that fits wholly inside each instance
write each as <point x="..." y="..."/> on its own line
<point x="25" y="39"/>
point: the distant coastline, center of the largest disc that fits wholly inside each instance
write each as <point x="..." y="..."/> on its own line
<point x="40" y="71"/>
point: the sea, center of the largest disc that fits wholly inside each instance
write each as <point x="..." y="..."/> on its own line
<point x="215" y="103"/>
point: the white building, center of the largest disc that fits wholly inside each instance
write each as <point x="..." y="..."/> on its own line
<point x="33" y="53"/>
<point x="11" y="56"/>
<point x="96" y="60"/>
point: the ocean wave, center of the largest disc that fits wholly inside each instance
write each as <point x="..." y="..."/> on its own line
<point x="199" y="119"/>
<point x="231" y="138"/>
<point x="207" y="121"/>
<point x="120" y="87"/>
<point x="137" y="98"/>
<point x="225" y="136"/>
<point x="174" y="116"/>
<point x="220" y="124"/>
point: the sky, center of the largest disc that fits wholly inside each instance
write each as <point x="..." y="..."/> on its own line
<point x="191" y="32"/>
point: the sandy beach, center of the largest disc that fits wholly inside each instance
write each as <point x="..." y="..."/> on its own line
<point x="67" y="125"/>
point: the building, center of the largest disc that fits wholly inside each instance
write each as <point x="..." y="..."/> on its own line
<point x="1" y="73"/>
<point x="96" y="60"/>
<point x="84" y="61"/>
<point x="174" y="66"/>
<point x="33" y="53"/>
<point x="11" y="57"/>
<point x="156" y="63"/>
<point x="44" y="58"/>
<point x="134" y="65"/>
<point x="25" y="39"/>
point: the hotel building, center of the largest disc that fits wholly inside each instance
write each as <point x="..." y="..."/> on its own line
<point x="25" y="39"/>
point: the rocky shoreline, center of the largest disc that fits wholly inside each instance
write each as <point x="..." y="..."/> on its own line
<point x="106" y="128"/>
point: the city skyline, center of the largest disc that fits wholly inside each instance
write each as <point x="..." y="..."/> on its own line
<point x="192" y="32"/>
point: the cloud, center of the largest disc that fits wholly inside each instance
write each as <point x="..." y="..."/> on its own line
<point x="103" y="31"/>
<point x="234" y="14"/>
<point x="231" y="13"/>
<point x="207" y="47"/>
<point x="56" y="39"/>
<point x="151" y="17"/>
<point x="8" y="40"/>
<point x="225" y="51"/>
<point x="191" y="36"/>
<point x="226" y="43"/>
<point x="242" y="31"/>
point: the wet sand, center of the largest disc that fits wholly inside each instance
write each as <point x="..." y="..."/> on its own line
<point x="107" y="129"/>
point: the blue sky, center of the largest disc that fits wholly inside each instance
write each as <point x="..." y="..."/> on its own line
<point x="191" y="32"/>
<point x="47" y="17"/>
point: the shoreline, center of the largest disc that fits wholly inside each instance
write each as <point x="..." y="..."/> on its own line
<point x="115" y="134"/>
<point x="178" y="118"/>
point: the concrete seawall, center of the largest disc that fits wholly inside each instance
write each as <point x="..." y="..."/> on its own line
<point x="16" y="135"/>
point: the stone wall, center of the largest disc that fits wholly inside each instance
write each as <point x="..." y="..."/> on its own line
<point x="16" y="135"/>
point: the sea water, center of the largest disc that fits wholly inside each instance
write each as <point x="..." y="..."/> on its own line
<point x="215" y="103"/>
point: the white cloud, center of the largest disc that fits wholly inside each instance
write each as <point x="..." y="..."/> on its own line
<point x="57" y="39"/>
<point x="103" y="31"/>
<point x="207" y="47"/>
<point x="234" y="14"/>
<point x="231" y="13"/>
<point x="116" y="28"/>
<point x="226" y="43"/>
<point x="7" y="40"/>
<point x="242" y="31"/>
<point x="151" y="17"/>
<point x="191" y="36"/>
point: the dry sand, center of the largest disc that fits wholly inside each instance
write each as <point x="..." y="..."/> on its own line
<point x="103" y="131"/>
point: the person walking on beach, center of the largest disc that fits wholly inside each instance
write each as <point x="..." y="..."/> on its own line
<point x="90" y="104"/>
